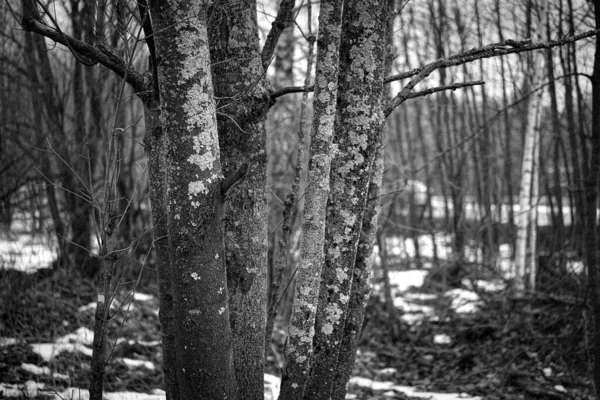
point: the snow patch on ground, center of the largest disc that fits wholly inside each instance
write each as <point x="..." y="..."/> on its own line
<point x="131" y="363"/>
<point x="464" y="301"/>
<point x="407" y="390"/>
<point x="137" y="296"/>
<point x="441" y="338"/>
<point x="404" y="280"/>
<point x="6" y="341"/>
<point x="76" y="341"/>
<point x="27" y="252"/>
<point x="32" y="388"/>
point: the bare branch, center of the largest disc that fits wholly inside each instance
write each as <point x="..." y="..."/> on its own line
<point x="488" y="51"/>
<point x="99" y="53"/>
<point x="149" y="38"/>
<point x="491" y="50"/>
<point x="388" y="109"/>
<point x="280" y="23"/>
<point x="291" y="89"/>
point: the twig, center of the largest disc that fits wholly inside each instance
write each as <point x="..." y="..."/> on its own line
<point x="291" y="89"/>
<point x="491" y="50"/>
<point x="389" y="108"/>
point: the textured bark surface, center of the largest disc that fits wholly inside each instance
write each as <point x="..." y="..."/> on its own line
<point x="155" y="142"/>
<point x="194" y="202"/>
<point x="358" y="133"/>
<point x="242" y="97"/>
<point x="361" y="289"/>
<point x="298" y="348"/>
<point x="526" y="201"/>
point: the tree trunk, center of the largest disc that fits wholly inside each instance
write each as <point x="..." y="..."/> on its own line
<point x="194" y="202"/>
<point x="242" y="90"/>
<point x="525" y="247"/>
<point x="299" y="347"/>
<point x="358" y="133"/>
<point x="155" y="148"/>
<point x="360" y="291"/>
<point x="592" y="182"/>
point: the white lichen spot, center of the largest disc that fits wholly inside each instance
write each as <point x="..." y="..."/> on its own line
<point x="327" y="329"/>
<point x="221" y="290"/>
<point x="301" y="359"/>
<point x="177" y="217"/>
<point x="344" y="298"/>
<point x="335" y="252"/>
<point x="341" y="274"/>
<point x="195" y="276"/>
<point x="194" y="312"/>
<point x="294" y="331"/>
<point x="295" y="385"/>
<point x="221" y="310"/>
<point x="217" y="256"/>
<point x="334" y="313"/>
<point x="100" y="298"/>
<point x="195" y="188"/>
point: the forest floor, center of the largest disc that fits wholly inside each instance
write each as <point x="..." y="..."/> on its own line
<point x="472" y="340"/>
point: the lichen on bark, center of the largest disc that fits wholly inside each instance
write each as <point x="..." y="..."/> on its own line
<point x="358" y="133"/>
<point x="298" y="349"/>
<point x="243" y="102"/>
<point x="194" y="201"/>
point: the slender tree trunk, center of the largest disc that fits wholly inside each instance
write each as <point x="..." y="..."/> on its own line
<point x="533" y="213"/>
<point x="155" y="148"/>
<point x="299" y="347"/>
<point x="292" y="200"/>
<point x="359" y="294"/>
<point x="506" y="140"/>
<point x="195" y="202"/>
<point x="592" y="182"/>
<point x="392" y="321"/>
<point x="526" y="200"/>
<point x="38" y="64"/>
<point x="525" y="224"/>
<point x="109" y="254"/>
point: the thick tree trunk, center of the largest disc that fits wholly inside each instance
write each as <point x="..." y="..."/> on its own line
<point x="299" y="348"/>
<point x="242" y="90"/>
<point x="194" y="200"/>
<point x="358" y="134"/>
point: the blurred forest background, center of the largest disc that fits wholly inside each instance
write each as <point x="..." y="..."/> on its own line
<point x="484" y="190"/>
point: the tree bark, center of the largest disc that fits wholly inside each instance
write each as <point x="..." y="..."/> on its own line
<point x="358" y="134"/>
<point x="155" y="148"/>
<point x="194" y="201"/>
<point x="299" y="348"/>
<point x="525" y="224"/>
<point x="243" y="102"/>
